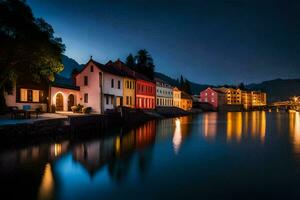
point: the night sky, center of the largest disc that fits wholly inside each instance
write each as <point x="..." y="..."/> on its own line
<point x="213" y="42"/>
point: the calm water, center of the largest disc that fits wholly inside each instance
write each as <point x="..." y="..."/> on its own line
<point x="209" y="156"/>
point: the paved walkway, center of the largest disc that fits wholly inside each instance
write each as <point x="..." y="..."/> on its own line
<point x="6" y="120"/>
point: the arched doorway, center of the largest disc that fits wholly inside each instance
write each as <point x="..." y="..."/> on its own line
<point x="70" y="101"/>
<point x="59" y="102"/>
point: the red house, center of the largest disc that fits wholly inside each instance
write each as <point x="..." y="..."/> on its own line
<point x="145" y="92"/>
<point x="212" y="96"/>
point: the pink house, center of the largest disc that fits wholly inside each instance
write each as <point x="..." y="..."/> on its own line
<point x="213" y="96"/>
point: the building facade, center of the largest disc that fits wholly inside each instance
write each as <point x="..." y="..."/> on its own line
<point x="128" y="82"/>
<point x="176" y="97"/>
<point x="145" y="93"/>
<point x="213" y="96"/>
<point x="233" y="97"/>
<point x="186" y="101"/>
<point x="101" y="87"/>
<point x="164" y="94"/>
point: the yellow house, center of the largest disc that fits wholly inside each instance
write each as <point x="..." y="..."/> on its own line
<point x="129" y="92"/>
<point x="186" y="101"/>
<point x="128" y="82"/>
<point x="176" y="97"/>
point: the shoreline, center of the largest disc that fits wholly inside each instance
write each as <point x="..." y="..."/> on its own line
<point x="81" y="125"/>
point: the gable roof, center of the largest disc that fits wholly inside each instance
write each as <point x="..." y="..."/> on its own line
<point x="102" y="67"/>
<point x="185" y="95"/>
<point x="126" y="71"/>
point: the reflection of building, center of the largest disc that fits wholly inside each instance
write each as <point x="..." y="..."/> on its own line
<point x="234" y="126"/>
<point x="209" y="125"/>
<point x="294" y="128"/>
<point x="240" y="124"/>
<point x="93" y="155"/>
<point x="46" y="189"/>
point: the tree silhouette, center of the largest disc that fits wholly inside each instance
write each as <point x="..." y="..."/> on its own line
<point x="130" y="62"/>
<point x="144" y="63"/>
<point x="28" y="46"/>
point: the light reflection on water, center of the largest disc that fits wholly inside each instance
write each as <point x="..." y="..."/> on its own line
<point x="235" y="150"/>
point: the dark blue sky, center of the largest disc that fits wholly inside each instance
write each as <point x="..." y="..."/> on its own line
<point x="214" y="42"/>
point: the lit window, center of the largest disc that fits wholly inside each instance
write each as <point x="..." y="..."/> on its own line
<point x="23" y="95"/>
<point x="35" y="96"/>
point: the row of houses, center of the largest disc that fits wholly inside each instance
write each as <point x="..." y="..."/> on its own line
<point x="102" y="87"/>
<point x="221" y="97"/>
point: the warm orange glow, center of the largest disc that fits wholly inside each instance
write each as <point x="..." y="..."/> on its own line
<point x="263" y="127"/>
<point x="210" y="125"/>
<point x="57" y="149"/>
<point x="295" y="131"/>
<point x="47" y="184"/>
<point x="177" y="138"/>
<point x="234" y="126"/>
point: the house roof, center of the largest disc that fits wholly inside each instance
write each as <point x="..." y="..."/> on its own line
<point x="126" y="71"/>
<point x="63" y="82"/>
<point x="102" y="67"/>
<point x="185" y="95"/>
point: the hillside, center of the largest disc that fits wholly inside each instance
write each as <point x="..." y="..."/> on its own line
<point x="69" y="65"/>
<point x="278" y="89"/>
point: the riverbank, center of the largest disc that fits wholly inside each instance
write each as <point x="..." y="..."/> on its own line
<point x="65" y="125"/>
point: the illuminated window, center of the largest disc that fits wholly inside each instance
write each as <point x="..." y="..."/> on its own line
<point x="23" y="95"/>
<point x="35" y="96"/>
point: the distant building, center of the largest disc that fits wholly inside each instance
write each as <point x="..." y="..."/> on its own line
<point x="164" y="94"/>
<point x="213" y="96"/>
<point x="232" y="99"/>
<point x="181" y="99"/>
<point x="186" y="101"/>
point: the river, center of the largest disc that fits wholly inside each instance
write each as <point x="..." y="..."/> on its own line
<point x="236" y="155"/>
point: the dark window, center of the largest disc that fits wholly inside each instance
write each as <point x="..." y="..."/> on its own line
<point x="127" y="100"/>
<point x="119" y="84"/>
<point x="85" y="80"/>
<point x="86" y="98"/>
<point x="107" y="100"/>
<point x="92" y="68"/>
<point x="29" y="95"/>
<point x="112" y="83"/>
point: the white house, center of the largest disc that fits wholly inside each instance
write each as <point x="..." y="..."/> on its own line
<point x="100" y="86"/>
<point x="164" y="93"/>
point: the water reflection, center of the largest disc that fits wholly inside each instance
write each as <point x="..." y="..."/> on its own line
<point x="141" y="157"/>
<point x="177" y="138"/>
<point x="46" y="189"/>
<point x="241" y="124"/>
<point x="294" y="128"/>
<point x="210" y="125"/>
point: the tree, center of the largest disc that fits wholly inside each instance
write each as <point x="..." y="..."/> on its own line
<point x="28" y="46"/>
<point x="130" y="62"/>
<point x="181" y="82"/>
<point x="144" y="63"/>
<point x="186" y="86"/>
<point x="241" y="86"/>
